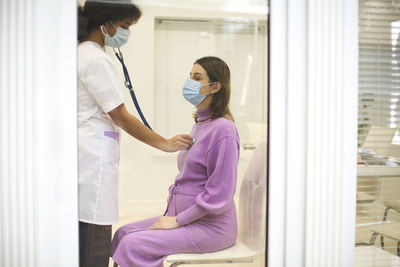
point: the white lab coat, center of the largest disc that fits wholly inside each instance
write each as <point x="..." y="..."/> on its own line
<point x="98" y="93"/>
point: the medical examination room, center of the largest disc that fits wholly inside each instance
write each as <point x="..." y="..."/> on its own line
<point x="163" y="133"/>
<point x="163" y="46"/>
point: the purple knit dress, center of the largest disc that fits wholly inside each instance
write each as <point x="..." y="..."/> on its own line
<point x="201" y="198"/>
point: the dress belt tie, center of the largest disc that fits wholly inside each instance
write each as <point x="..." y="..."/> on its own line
<point x="182" y="191"/>
<point x="173" y="190"/>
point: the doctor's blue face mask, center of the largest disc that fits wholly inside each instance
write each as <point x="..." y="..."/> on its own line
<point x="120" y="37"/>
<point x="191" y="91"/>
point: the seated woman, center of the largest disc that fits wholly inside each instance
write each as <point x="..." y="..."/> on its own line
<point x="201" y="213"/>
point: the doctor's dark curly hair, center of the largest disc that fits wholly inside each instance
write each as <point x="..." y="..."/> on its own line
<point x="96" y="12"/>
<point x="218" y="71"/>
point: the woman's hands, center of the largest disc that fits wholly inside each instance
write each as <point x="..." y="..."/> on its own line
<point x="179" y="142"/>
<point x="165" y="222"/>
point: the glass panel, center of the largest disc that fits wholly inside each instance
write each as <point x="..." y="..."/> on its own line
<point x="164" y="42"/>
<point x="378" y="188"/>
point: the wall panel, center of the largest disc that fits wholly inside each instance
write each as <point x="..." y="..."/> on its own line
<point x="38" y="155"/>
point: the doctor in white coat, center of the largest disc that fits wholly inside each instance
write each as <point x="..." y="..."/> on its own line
<point x="101" y="114"/>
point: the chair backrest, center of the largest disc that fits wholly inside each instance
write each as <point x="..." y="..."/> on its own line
<point x="379" y="140"/>
<point x="389" y="192"/>
<point x="252" y="200"/>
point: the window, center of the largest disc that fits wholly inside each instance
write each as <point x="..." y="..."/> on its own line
<point x="378" y="187"/>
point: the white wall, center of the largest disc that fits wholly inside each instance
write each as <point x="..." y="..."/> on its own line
<point x="248" y="6"/>
<point x="145" y="173"/>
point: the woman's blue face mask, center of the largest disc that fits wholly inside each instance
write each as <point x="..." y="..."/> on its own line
<point x="191" y="91"/>
<point x="120" y="37"/>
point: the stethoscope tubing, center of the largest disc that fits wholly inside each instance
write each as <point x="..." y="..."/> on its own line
<point x="128" y="85"/>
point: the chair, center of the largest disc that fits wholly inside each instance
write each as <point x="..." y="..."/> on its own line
<point x="379" y="141"/>
<point x="378" y="206"/>
<point x="389" y="188"/>
<point x="252" y="219"/>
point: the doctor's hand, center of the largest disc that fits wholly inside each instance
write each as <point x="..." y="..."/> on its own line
<point x="179" y="142"/>
<point x="165" y="222"/>
<point x="137" y="129"/>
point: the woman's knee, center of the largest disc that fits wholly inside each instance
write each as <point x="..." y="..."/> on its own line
<point x="137" y="243"/>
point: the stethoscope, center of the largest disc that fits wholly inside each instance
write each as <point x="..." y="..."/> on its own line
<point x="128" y="85"/>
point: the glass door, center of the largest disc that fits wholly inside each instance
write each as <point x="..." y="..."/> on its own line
<point x="378" y="180"/>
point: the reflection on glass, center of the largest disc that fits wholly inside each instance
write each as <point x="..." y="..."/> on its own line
<point x="379" y="79"/>
<point x="378" y="180"/>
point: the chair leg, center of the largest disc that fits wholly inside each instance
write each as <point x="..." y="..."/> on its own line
<point x="398" y="248"/>
<point x="386" y="213"/>
<point x="373" y="238"/>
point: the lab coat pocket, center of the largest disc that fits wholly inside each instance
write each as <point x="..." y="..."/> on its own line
<point x="110" y="147"/>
